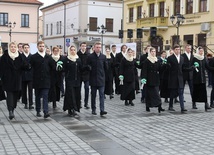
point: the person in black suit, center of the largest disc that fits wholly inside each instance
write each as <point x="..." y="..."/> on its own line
<point x="175" y="83"/>
<point x="188" y="75"/>
<point x="119" y="57"/>
<point x="42" y="65"/>
<point x="114" y="72"/>
<point x="97" y="63"/>
<point x="27" y="79"/>
<point x="83" y="55"/>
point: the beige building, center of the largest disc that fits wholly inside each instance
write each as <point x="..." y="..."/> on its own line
<point x="23" y="16"/>
<point x="195" y="28"/>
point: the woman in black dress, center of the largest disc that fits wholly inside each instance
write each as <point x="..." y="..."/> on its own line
<point x="127" y="78"/>
<point x="72" y="67"/>
<point x="199" y="78"/>
<point x="56" y="78"/>
<point x="150" y="77"/>
<point x="109" y="75"/>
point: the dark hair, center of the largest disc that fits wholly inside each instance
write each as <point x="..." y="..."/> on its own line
<point x="113" y="46"/>
<point x="176" y="46"/>
<point x="82" y="43"/>
<point x="122" y="47"/>
<point x="25" y="45"/>
<point x="55" y="48"/>
<point x="40" y="42"/>
<point x="20" y="44"/>
<point x="163" y="51"/>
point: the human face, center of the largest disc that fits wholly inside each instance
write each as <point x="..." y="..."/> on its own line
<point x="55" y="52"/>
<point x="26" y="49"/>
<point x="20" y="48"/>
<point x="107" y="52"/>
<point x="130" y="53"/>
<point x="201" y="52"/>
<point x="163" y="55"/>
<point x="188" y="49"/>
<point x="113" y="49"/>
<point x="13" y="48"/>
<point x="72" y="51"/>
<point x="83" y="47"/>
<point x="153" y="52"/>
<point x="41" y="47"/>
<point x="177" y="51"/>
<point x="97" y="48"/>
<point x="124" y="49"/>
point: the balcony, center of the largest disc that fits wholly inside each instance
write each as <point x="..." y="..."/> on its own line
<point x="152" y="22"/>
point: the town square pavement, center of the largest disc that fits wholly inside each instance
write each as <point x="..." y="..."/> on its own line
<point x="125" y="130"/>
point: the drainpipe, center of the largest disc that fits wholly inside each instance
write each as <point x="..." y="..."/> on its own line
<point x="64" y="24"/>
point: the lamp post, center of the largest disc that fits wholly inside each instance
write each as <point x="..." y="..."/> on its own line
<point x="180" y="21"/>
<point x="11" y="26"/>
<point x="101" y="30"/>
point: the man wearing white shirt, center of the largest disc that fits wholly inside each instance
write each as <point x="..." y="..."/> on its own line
<point x="188" y="75"/>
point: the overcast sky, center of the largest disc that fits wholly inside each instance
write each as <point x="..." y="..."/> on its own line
<point x="46" y="3"/>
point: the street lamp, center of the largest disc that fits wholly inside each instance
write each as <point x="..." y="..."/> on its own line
<point x="180" y="21"/>
<point x="101" y="30"/>
<point x="11" y="26"/>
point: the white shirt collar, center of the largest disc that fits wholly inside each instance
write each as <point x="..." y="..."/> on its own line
<point x="177" y="57"/>
<point x="188" y="55"/>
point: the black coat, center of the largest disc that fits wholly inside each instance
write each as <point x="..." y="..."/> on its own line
<point x="151" y="73"/>
<point x="98" y="66"/>
<point x="42" y="70"/>
<point x="142" y="59"/>
<point x="83" y="57"/>
<point x="175" y="72"/>
<point x="109" y="77"/>
<point x="118" y="59"/>
<point x="27" y="75"/>
<point x="11" y="72"/>
<point x="114" y="64"/>
<point x="187" y="75"/>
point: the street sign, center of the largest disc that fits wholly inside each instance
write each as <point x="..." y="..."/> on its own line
<point x="67" y="40"/>
<point x="67" y="44"/>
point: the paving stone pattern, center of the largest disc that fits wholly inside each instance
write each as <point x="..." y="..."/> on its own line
<point x="125" y="130"/>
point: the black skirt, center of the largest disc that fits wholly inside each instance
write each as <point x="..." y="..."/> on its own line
<point x="127" y="91"/>
<point x="108" y="87"/>
<point x="152" y="96"/>
<point x="199" y="93"/>
<point x="164" y="91"/>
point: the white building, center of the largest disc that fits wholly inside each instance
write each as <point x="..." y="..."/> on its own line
<point x="75" y="21"/>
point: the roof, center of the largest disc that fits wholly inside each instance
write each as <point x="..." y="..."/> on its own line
<point x="23" y="1"/>
<point x="54" y="4"/>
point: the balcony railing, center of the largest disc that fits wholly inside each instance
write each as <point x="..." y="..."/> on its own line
<point x="152" y="22"/>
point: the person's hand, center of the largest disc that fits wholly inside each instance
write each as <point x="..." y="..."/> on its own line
<point x="59" y="65"/>
<point x="121" y="77"/>
<point x="143" y="81"/>
<point x="196" y="64"/>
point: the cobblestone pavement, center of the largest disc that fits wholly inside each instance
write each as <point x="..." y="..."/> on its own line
<point x="125" y="130"/>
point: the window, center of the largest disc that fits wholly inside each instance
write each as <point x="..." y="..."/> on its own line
<point x="131" y="15"/>
<point x="51" y="29"/>
<point x="189" y="6"/>
<point x="161" y="9"/>
<point x="151" y="10"/>
<point x="25" y="20"/>
<point x="139" y="12"/>
<point x="93" y="24"/>
<point x="60" y="27"/>
<point x="46" y="29"/>
<point x="57" y="27"/>
<point x="202" y="5"/>
<point x="3" y="19"/>
<point x="177" y="7"/>
<point x="109" y="24"/>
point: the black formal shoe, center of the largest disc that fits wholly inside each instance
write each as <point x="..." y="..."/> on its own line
<point x="38" y="114"/>
<point x="111" y="96"/>
<point x="194" y="105"/>
<point x="147" y="109"/>
<point x="160" y="109"/>
<point x="86" y="107"/>
<point x="26" y="107"/>
<point x="207" y="106"/>
<point x="183" y="110"/>
<point x="46" y="115"/>
<point x="126" y="103"/>
<point x="31" y="107"/>
<point x="11" y="115"/>
<point x="171" y="109"/>
<point x="103" y="113"/>
<point x="94" y="113"/>
<point x="131" y="103"/>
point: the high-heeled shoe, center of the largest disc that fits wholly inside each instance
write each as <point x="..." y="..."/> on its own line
<point x="160" y="109"/>
<point x="207" y="106"/>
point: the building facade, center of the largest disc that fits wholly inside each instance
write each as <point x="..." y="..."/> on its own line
<point x="195" y="28"/>
<point x="74" y="21"/>
<point x="19" y="21"/>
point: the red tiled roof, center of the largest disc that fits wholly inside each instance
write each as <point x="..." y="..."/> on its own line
<point x="23" y="1"/>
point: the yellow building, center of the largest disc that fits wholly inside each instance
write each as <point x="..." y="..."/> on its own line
<point x="195" y="28"/>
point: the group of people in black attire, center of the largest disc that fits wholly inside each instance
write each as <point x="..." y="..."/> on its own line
<point x="160" y="77"/>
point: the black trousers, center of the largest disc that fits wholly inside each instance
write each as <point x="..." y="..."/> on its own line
<point x="11" y="100"/>
<point x="27" y="85"/>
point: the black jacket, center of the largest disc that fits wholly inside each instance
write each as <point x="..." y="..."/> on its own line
<point x="83" y="58"/>
<point x="127" y="69"/>
<point x="27" y="75"/>
<point x="41" y="70"/>
<point x="187" y="75"/>
<point x="98" y="67"/>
